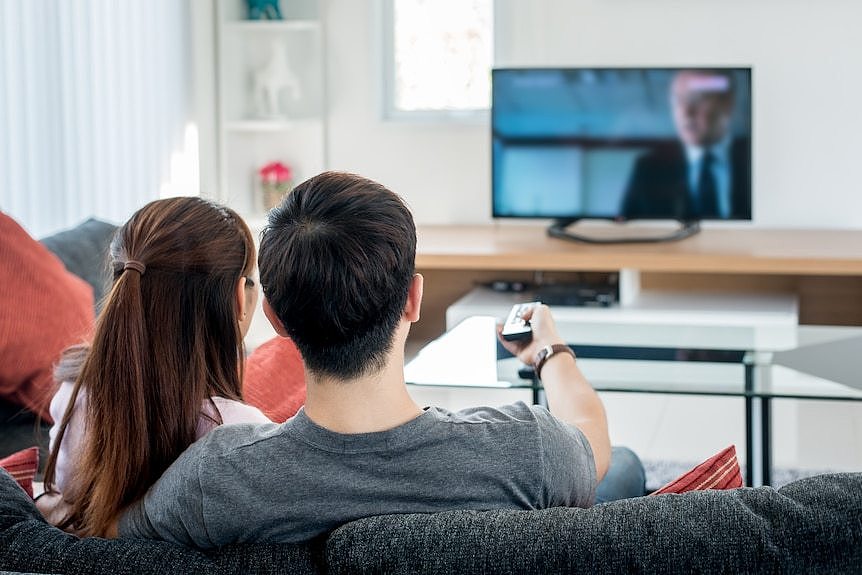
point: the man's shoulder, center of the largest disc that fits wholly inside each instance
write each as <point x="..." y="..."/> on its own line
<point x="662" y="156"/>
<point x="227" y="440"/>
<point x="518" y="412"/>
<point x="529" y="422"/>
<point x="740" y="148"/>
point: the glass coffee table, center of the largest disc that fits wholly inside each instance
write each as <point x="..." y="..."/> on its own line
<point x="646" y="358"/>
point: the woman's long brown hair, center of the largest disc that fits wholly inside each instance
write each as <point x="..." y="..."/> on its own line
<point x="165" y="342"/>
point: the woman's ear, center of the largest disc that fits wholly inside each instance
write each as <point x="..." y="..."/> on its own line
<point x="246" y="294"/>
<point x="273" y="319"/>
<point x="242" y="304"/>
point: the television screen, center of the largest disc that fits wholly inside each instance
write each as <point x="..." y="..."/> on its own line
<point x="622" y="143"/>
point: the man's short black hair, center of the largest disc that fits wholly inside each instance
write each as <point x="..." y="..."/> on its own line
<point x="336" y="262"/>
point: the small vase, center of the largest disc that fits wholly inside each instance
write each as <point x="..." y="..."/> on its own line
<point x="273" y="192"/>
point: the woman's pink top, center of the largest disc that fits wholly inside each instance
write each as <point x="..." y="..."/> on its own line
<point x="230" y="411"/>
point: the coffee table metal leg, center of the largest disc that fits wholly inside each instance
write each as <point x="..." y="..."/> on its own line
<point x="766" y="440"/>
<point x="749" y="442"/>
<point x="537" y="396"/>
<point x="749" y="427"/>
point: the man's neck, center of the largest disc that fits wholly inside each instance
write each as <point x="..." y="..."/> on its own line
<point x="365" y="404"/>
<point x="719" y="149"/>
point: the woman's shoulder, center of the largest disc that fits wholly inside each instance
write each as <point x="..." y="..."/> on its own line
<point x="61" y="399"/>
<point x="233" y="411"/>
<point x="228" y="411"/>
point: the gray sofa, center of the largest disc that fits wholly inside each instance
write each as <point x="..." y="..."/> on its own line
<point x="810" y="526"/>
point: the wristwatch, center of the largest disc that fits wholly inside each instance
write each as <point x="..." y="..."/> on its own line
<point x="546" y="353"/>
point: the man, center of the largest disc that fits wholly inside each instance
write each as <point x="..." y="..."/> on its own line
<point x="707" y="174"/>
<point x="337" y="271"/>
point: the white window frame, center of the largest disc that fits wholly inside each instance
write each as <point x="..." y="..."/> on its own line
<point x="388" y="112"/>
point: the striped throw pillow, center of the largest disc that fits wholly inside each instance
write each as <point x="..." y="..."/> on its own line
<point x="721" y="471"/>
<point x="22" y="467"/>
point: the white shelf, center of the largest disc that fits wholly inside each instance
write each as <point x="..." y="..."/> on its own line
<point x="261" y="125"/>
<point x="246" y="26"/>
<point x="650" y="307"/>
<point x="297" y="135"/>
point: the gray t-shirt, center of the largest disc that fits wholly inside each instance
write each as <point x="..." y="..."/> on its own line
<point x="292" y="482"/>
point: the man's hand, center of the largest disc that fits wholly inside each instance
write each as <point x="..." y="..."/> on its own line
<point x="544" y="333"/>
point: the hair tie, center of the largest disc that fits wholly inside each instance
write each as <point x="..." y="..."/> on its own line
<point x="135" y="265"/>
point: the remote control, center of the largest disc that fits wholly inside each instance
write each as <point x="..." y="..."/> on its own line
<point x="515" y="328"/>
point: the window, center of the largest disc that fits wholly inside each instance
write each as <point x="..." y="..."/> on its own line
<point x="439" y="55"/>
<point x="93" y="102"/>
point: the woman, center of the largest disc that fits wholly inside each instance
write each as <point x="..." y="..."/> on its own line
<point x="165" y="363"/>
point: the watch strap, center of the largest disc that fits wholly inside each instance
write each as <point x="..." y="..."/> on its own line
<point x="546" y="353"/>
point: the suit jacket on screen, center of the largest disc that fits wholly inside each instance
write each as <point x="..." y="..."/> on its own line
<point x="658" y="187"/>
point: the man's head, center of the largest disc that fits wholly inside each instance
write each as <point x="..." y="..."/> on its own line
<point x="336" y="264"/>
<point x="702" y="103"/>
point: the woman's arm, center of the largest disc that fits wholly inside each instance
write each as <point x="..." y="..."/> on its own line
<point x="74" y="435"/>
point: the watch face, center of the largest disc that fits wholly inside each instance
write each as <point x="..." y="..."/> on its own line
<point x="542" y="354"/>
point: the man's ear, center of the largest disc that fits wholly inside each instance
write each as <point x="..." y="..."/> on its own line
<point x="273" y="319"/>
<point x="414" y="299"/>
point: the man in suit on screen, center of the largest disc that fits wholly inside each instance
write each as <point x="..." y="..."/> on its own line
<point x="707" y="173"/>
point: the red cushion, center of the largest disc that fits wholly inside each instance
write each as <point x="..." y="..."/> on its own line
<point x="43" y="310"/>
<point x="721" y="471"/>
<point x="22" y="467"/>
<point x="274" y="380"/>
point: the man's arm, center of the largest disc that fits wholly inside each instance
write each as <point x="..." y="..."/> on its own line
<point x="570" y="396"/>
<point x="172" y="510"/>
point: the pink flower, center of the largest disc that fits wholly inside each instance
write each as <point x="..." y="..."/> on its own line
<point x="275" y="173"/>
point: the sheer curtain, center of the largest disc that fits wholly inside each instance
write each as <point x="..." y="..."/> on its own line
<point x="94" y="101"/>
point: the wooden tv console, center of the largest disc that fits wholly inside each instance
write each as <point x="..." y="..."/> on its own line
<point x="822" y="267"/>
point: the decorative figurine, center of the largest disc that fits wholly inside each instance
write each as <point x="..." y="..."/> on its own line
<point x="264" y="10"/>
<point x="269" y="81"/>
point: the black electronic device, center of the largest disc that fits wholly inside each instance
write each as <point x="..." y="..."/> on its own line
<point x="621" y="144"/>
<point x="577" y="295"/>
<point x="516" y="328"/>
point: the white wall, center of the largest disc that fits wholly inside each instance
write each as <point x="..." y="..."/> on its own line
<point x="807" y="90"/>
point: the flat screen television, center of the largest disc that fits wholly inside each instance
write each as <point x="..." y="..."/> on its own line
<point x="621" y="144"/>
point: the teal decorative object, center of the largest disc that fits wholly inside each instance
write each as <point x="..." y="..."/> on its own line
<point x="264" y="10"/>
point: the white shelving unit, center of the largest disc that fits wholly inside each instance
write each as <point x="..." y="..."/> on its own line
<point x="766" y="311"/>
<point x="250" y="135"/>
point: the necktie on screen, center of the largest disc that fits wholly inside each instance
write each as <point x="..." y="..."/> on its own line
<point x="707" y="188"/>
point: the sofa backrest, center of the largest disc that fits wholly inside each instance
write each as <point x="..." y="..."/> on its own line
<point x="84" y="251"/>
<point x="809" y="526"/>
<point x="29" y="544"/>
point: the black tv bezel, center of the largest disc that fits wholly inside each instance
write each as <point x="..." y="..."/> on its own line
<point x="571" y="218"/>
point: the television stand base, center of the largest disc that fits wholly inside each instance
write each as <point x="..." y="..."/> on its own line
<point x="559" y="229"/>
